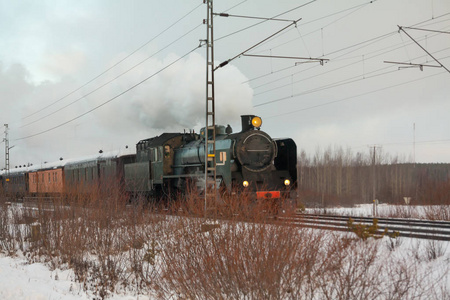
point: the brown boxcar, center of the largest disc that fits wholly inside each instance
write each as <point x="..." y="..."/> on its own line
<point x="50" y="182"/>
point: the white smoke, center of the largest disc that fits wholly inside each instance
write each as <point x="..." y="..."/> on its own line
<point x="172" y="101"/>
<point x="176" y="98"/>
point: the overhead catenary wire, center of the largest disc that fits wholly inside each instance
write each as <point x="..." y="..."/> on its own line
<point x="332" y="85"/>
<point x="109" y="100"/>
<point x="259" y="43"/>
<point x="370" y="41"/>
<point x="355" y="45"/>
<point x="112" y="80"/>
<point x="114" y="65"/>
<point x="431" y="55"/>
<point x="354" y="8"/>
<point x="251" y="26"/>
<point x="340" y="68"/>
<point x="361" y="44"/>
<point x="354" y="96"/>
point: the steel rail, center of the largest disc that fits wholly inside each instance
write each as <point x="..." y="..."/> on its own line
<point x="422" y="229"/>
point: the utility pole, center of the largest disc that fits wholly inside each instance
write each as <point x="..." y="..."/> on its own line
<point x="210" y="129"/>
<point x="6" y="140"/>
<point x="374" y="182"/>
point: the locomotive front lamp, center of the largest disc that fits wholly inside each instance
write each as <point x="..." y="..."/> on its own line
<point x="245" y="183"/>
<point x="287" y="182"/>
<point x="256" y="122"/>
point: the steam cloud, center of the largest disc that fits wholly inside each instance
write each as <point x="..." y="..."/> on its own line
<point x="171" y="101"/>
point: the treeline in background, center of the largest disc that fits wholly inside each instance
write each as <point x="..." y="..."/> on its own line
<point x="335" y="176"/>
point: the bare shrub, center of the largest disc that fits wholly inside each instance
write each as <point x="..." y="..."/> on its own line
<point x="401" y="279"/>
<point x="401" y="211"/>
<point x="7" y="240"/>
<point x="393" y="243"/>
<point x="434" y="249"/>
<point x="252" y="260"/>
<point x="437" y="212"/>
<point x="238" y="252"/>
<point x="351" y="272"/>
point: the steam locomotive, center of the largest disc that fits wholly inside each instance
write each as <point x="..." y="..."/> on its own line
<point x="249" y="161"/>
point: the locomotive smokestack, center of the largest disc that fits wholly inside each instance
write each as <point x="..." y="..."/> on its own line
<point x="246" y="121"/>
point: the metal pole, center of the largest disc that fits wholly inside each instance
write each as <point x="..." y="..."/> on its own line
<point x="6" y="150"/>
<point x="401" y="28"/>
<point x="373" y="182"/>
<point x="210" y="129"/>
<point x="6" y="158"/>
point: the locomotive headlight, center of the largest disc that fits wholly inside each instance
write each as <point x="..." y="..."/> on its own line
<point x="245" y="183"/>
<point x="287" y="182"/>
<point x="256" y="122"/>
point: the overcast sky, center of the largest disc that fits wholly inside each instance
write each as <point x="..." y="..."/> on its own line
<point x="60" y="60"/>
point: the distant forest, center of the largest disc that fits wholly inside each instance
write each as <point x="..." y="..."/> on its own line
<point x="339" y="177"/>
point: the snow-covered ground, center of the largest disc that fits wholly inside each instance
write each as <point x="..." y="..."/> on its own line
<point x="20" y="279"/>
<point x="386" y="210"/>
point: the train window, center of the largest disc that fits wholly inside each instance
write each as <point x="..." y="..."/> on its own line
<point x="49" y="178"/>
<point x="166" y="150"/>
<point x="152" y="154"/>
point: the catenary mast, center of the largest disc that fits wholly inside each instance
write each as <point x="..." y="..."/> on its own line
<point x="210" y="130"/>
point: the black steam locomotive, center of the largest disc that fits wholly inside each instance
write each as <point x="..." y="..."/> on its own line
<point x="249" y="161"/>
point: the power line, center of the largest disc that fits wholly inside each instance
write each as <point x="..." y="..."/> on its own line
<point x="390" y="33"/>
<point x="362" y="44"/>
<point x="373" y="40"/>
<point x="233" y="7"/>
<point x="116" y="64"/>
<point x="355" y="96"/>
<point x="370" y="41"/>
<point x="110" y="81"/>
<point x="111" y="99"/>
<point x="329" y="86"/>
<point x="340" y="68"/>
<point x="251" y="26"/>
<point x="259" y="43"/>
<point x="354" y="8"/>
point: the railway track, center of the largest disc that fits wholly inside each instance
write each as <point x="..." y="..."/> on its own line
<point x="422" y="229"/>
<point x="413" y="228"/>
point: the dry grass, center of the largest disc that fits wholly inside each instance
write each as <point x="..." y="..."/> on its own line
<point x="238" y="254"/>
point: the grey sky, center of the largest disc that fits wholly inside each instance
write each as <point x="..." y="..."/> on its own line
<point x="50" y="48"/>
